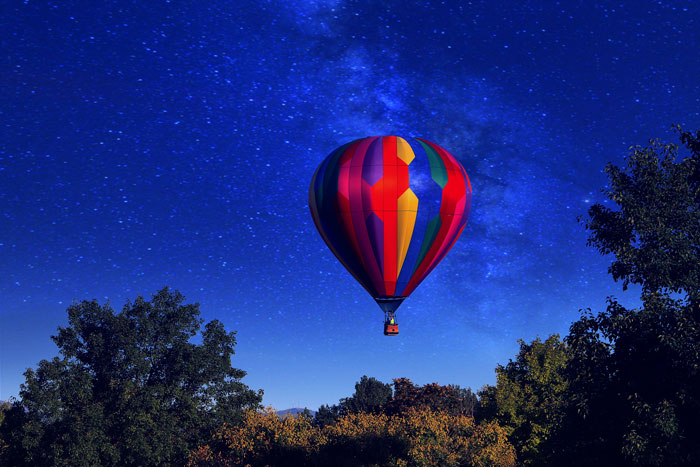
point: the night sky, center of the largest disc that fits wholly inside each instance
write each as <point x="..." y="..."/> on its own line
<point x="172" y="143"/>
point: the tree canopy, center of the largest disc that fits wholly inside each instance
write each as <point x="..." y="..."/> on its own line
<point x="416" y="437"/>
<point x="371" y="395"/>
<point x="128" y="388"/>
<point x="634" y="375"/>
<point x="654" y="231"/>
<point x="450" y="398"/>
<point x="622" y="389"/>
<point x="529" y="397"/>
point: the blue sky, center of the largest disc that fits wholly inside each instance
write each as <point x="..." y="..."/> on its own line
<point x="145" y="144"/>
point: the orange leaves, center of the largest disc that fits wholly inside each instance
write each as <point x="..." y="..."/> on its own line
<point x="418" y="436"/>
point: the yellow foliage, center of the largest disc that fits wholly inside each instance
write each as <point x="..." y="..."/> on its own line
<point x="417" y="437"/>
<point x="356" y="425"/>
<point x="436" y="438"/>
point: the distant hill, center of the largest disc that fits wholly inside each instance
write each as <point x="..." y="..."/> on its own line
<point x="295" y="411"/>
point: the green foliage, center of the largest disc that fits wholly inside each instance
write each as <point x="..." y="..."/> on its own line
<point x="327" y="415"/>
<point x="634" y="374"/>
<point x="654" y="233"/>
<point x="529" y="397"/>
<point x="129" y="388"/>
<point x="373" y="396"/>
<point x="634" y="378"/>
<point x="370" y="396"/>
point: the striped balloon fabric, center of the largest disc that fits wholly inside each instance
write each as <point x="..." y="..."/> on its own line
<point x="390" y="209"/>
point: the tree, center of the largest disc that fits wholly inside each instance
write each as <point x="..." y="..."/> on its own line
<point x="4" y="408"/>
<point x="359" y="439"/>
<point x="634" y="374"/>
<point x="451" y="399"/>
<point x="306" y="413"/>
<point x="438" y="438"/>
<point x="417" y="437"/>
<point x="654" y="234"/>
<point x="327" y="415"/>
<point x="370" y="396"/>
<point x="468" y="401"/>
<point x="529" y="398"/>
<point x="634" y="382"/>
<point x="128" y="388"/>
<point x="262" y="439"/>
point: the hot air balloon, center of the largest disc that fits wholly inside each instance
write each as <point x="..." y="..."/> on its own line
<point x="390" y="208"/>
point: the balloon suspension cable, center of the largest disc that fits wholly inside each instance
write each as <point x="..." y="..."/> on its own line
<point x="389" y="306"/>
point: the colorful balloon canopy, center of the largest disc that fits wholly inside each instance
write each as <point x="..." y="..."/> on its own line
<point x="390" y="209"/>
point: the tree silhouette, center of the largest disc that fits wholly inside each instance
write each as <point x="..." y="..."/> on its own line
<point x="634" y="374"/>
<point x="654" y="234"/>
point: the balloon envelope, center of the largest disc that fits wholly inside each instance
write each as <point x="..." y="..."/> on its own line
<point x="390" y="209"/>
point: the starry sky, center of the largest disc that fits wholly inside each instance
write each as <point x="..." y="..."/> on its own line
<point x="145" y="144"/>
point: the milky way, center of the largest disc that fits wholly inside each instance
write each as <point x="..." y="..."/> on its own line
<point x="172" y="143"/>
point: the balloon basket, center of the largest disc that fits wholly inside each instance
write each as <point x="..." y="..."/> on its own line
<point x="391" y="329"/>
